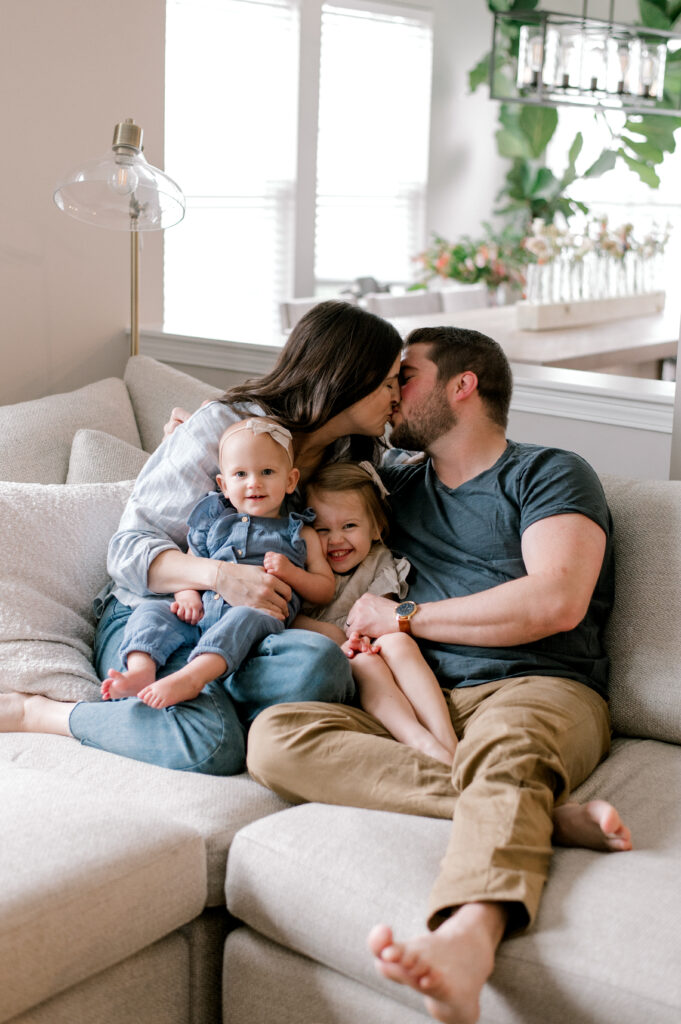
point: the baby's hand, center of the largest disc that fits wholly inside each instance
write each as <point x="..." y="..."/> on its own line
<point x="358" y="644"/>
<point x="277" y="565"/>
<point x="188" y="606"/>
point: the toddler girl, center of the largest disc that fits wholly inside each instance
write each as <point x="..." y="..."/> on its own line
<point x="239" y="523"/>
<point x="395" y="684"/>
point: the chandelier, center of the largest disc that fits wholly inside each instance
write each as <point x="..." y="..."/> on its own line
<point x="575" y="60"/>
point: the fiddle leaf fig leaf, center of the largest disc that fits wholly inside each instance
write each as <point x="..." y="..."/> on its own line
<point x="645" y="172"/>
<point x="479" y="74"/>
<point x="605" y="162"/>
<point x="654" y="14"/>
<point x="538" y="125"/>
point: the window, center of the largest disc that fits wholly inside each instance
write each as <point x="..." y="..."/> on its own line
<point x="298" y="131"/>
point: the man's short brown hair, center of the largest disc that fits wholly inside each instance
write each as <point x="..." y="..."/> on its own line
<point x="455" y="349"/>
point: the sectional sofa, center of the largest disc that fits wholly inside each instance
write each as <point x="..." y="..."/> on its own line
<point x="130" y="893"/>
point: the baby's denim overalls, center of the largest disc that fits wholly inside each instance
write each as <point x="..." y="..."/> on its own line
<point x="217" y="531"/>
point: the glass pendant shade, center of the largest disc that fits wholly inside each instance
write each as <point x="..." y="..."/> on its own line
<point x="120" y="190"/>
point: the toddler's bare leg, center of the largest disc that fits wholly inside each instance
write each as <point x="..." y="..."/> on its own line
<point x="186" y="683"/>
<point x="418" y="683"/>
<point x="27" y="712"/>
<point x="383" y="699"/>
<point x="141" y="671"/>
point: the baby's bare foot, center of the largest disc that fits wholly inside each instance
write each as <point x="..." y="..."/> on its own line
<point x="595" y="825"/>
<point x="171" y="690"/>
<point x="128" y="683"/>
<point x="449" y="966"/>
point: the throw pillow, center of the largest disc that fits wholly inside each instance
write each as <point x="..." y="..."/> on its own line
<point x="36" y="436"/>
<point x="97" y="457"/>
<point x="55" y="541"/>
<point x="155" y="389"/>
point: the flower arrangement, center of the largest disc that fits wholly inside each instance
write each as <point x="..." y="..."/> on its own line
<point x="547" y="242"/>
<point x="495" y="259"/>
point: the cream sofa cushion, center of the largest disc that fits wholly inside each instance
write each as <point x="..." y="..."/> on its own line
<point x="155" y="389"/>
<point x="55" y="541"/>
<point x="36" y="436"/>
<point x="97" y="457"/>
<point x="643" y="634"/>
<point x="86" y="883"/>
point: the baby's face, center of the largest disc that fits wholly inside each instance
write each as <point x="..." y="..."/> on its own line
<point x="256" y="473"/>
<point x="345" y="527"/>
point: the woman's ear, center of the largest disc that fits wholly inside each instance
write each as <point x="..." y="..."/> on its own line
<point x="293" y="478"/>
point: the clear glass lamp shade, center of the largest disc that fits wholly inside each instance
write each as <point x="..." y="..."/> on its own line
<point x="123" y="192"/>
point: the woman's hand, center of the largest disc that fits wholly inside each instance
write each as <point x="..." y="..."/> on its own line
<point x="251" y="585"/>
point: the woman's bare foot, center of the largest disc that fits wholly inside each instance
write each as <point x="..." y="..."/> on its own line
<point x="595" y="825"/>
<point x="141" y="671"/>
<point x="30" y="712"/>
<point x="449" y="966"/>
<point x="430" y="745"/>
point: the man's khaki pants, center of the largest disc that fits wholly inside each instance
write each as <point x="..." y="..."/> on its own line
<point x="524" y="744"/>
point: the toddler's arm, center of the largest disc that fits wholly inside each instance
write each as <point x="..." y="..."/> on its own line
<point x="314" y="583"/>
<point x="188" y="606"/>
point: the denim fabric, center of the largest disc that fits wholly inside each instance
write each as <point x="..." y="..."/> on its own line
<point x="207" y="734"/>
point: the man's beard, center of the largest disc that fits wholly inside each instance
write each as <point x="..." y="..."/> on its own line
<point x="427" y="422"/>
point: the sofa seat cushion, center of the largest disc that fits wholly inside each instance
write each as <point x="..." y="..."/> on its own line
<point x="214" y="807"/>
<point x="155" y="389"/>
<point x="605" y="947"/>
<point x="99" y="458"/>
<point x="37" y="435"/>
<point x="87" y="881"/>
<point x="55" y="540"/>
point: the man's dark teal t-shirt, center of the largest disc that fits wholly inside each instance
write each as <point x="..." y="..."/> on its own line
<point x="468" y="539"/>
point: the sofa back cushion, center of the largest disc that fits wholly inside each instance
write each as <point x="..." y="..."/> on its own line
<point x="99" y="458"/>
<point x="37" y="435"/>
<point x="643" y="634"/>
<point x="55" y="540"/>
<point x="155" y="389"/>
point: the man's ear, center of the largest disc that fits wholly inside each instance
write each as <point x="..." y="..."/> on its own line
<point x="293" y="478"/>
<point x="461" y="386"/>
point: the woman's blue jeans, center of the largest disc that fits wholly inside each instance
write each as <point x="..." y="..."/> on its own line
<point x="208" y="734"/>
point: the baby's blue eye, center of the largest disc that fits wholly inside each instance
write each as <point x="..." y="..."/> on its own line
<point x="267" y="472"/>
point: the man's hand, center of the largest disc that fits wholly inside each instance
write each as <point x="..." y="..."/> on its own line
<point x="177" y="416"/>
<point x="372" y="615"/>
<point x="188" y="606"/>
<point x="278" y="565"/>
<point x="251" y="585"/>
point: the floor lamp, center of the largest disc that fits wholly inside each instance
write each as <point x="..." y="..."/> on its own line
<point x="123" y="192"/>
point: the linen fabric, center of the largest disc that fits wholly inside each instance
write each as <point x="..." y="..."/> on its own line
<point x="112" y="882"/>
<point x="582" y="962"/>
<point x="379" y="573"/>
<point x="54" y="562"/>
<point x="97" y="457"/>
<point x="468" y="539"/>
<point x="642" y="635"/>
<point x="155" y="389"/>
<point x="37" y="435"/>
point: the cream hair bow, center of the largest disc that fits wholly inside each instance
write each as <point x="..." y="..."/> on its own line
<point x="257" y="425"/>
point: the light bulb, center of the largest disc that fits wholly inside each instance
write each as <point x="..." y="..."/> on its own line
<point x="123" y="179"/>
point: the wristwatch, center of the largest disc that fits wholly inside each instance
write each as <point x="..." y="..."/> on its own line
<point x="404" y="614"/>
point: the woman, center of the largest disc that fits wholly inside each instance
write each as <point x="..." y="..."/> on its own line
<point x="334" y="387"/>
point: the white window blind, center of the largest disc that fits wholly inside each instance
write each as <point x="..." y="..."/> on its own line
<point x="372" y="154"/>
<point x="231" y="112"/>
<point x="250" y="129"/>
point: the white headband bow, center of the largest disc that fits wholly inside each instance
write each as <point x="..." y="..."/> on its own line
<point x="258" y="426"/>
<point x="368" y="467"/>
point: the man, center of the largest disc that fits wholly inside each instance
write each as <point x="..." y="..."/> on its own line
<point x="511" y="584"/>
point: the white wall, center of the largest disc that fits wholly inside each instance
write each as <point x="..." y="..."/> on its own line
<point x="69" y="71"/>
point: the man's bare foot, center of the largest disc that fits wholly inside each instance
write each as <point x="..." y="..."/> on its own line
<point x="128" y="683"/>
<point x="449" y="966"/>
<point x="595" y="825"/>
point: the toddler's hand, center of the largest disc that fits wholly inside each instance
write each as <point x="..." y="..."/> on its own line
<point x="358" y="644"/>
<point x="188" y="607"/>
<point x="277" y="565"/>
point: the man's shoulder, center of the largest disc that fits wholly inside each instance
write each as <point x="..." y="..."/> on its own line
<point x="525" y="457"/>
<point x="399" y="465"/>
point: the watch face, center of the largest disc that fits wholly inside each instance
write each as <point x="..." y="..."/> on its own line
<point x="406" y="608"/>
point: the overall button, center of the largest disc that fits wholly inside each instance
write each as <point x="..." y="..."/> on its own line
<point x="239" y="552"/>
<point x="244" y="519"/>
